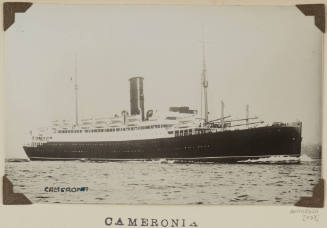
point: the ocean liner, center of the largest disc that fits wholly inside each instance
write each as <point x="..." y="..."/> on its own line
<point x="180" y="135"/>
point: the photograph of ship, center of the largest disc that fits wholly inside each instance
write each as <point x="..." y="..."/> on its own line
<point x="163" y="105"/>
<point x="181" y="136"/>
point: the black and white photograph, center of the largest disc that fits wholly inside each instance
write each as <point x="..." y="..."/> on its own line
<point x="163" y="105"/>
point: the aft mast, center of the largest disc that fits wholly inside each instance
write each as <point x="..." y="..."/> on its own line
<point x="76" y="92"/>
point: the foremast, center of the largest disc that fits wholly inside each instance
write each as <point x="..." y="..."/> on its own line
<point x="204" y="85"/>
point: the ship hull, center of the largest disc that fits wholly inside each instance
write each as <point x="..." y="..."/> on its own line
<point x="226" y="146"/>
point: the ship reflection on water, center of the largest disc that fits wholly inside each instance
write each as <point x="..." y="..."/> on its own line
<point x="166" y="182"/>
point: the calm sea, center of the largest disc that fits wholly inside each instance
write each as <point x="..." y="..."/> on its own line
<point x="165" y="183"/>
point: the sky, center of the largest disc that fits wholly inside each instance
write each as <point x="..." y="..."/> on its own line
<point x="267" y="57"/>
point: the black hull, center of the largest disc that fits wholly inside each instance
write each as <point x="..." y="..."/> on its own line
<point x="227" y="146"/>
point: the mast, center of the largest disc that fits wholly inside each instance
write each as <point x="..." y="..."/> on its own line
<point x="204" y="82"/>
<point x="247" y="116"/>
<point x="76" y="93"/>
<point x="222" y="115"/>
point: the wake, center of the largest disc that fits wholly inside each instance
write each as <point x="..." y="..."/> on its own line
<point x="279" y="160"/>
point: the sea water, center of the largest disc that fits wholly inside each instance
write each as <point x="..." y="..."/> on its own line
<point x="162" y="182"/>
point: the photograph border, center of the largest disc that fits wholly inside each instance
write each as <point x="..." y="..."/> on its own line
<point x="318" y="11"/>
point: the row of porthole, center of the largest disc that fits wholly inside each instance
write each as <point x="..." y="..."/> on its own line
<point x="114" y="129"/>
<point x="196" y="147"/>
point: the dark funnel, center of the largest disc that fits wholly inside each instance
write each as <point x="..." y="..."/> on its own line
<point x="137" y="96"/>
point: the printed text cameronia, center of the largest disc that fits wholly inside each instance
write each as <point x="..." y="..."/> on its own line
<point x="148" y="222"/>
